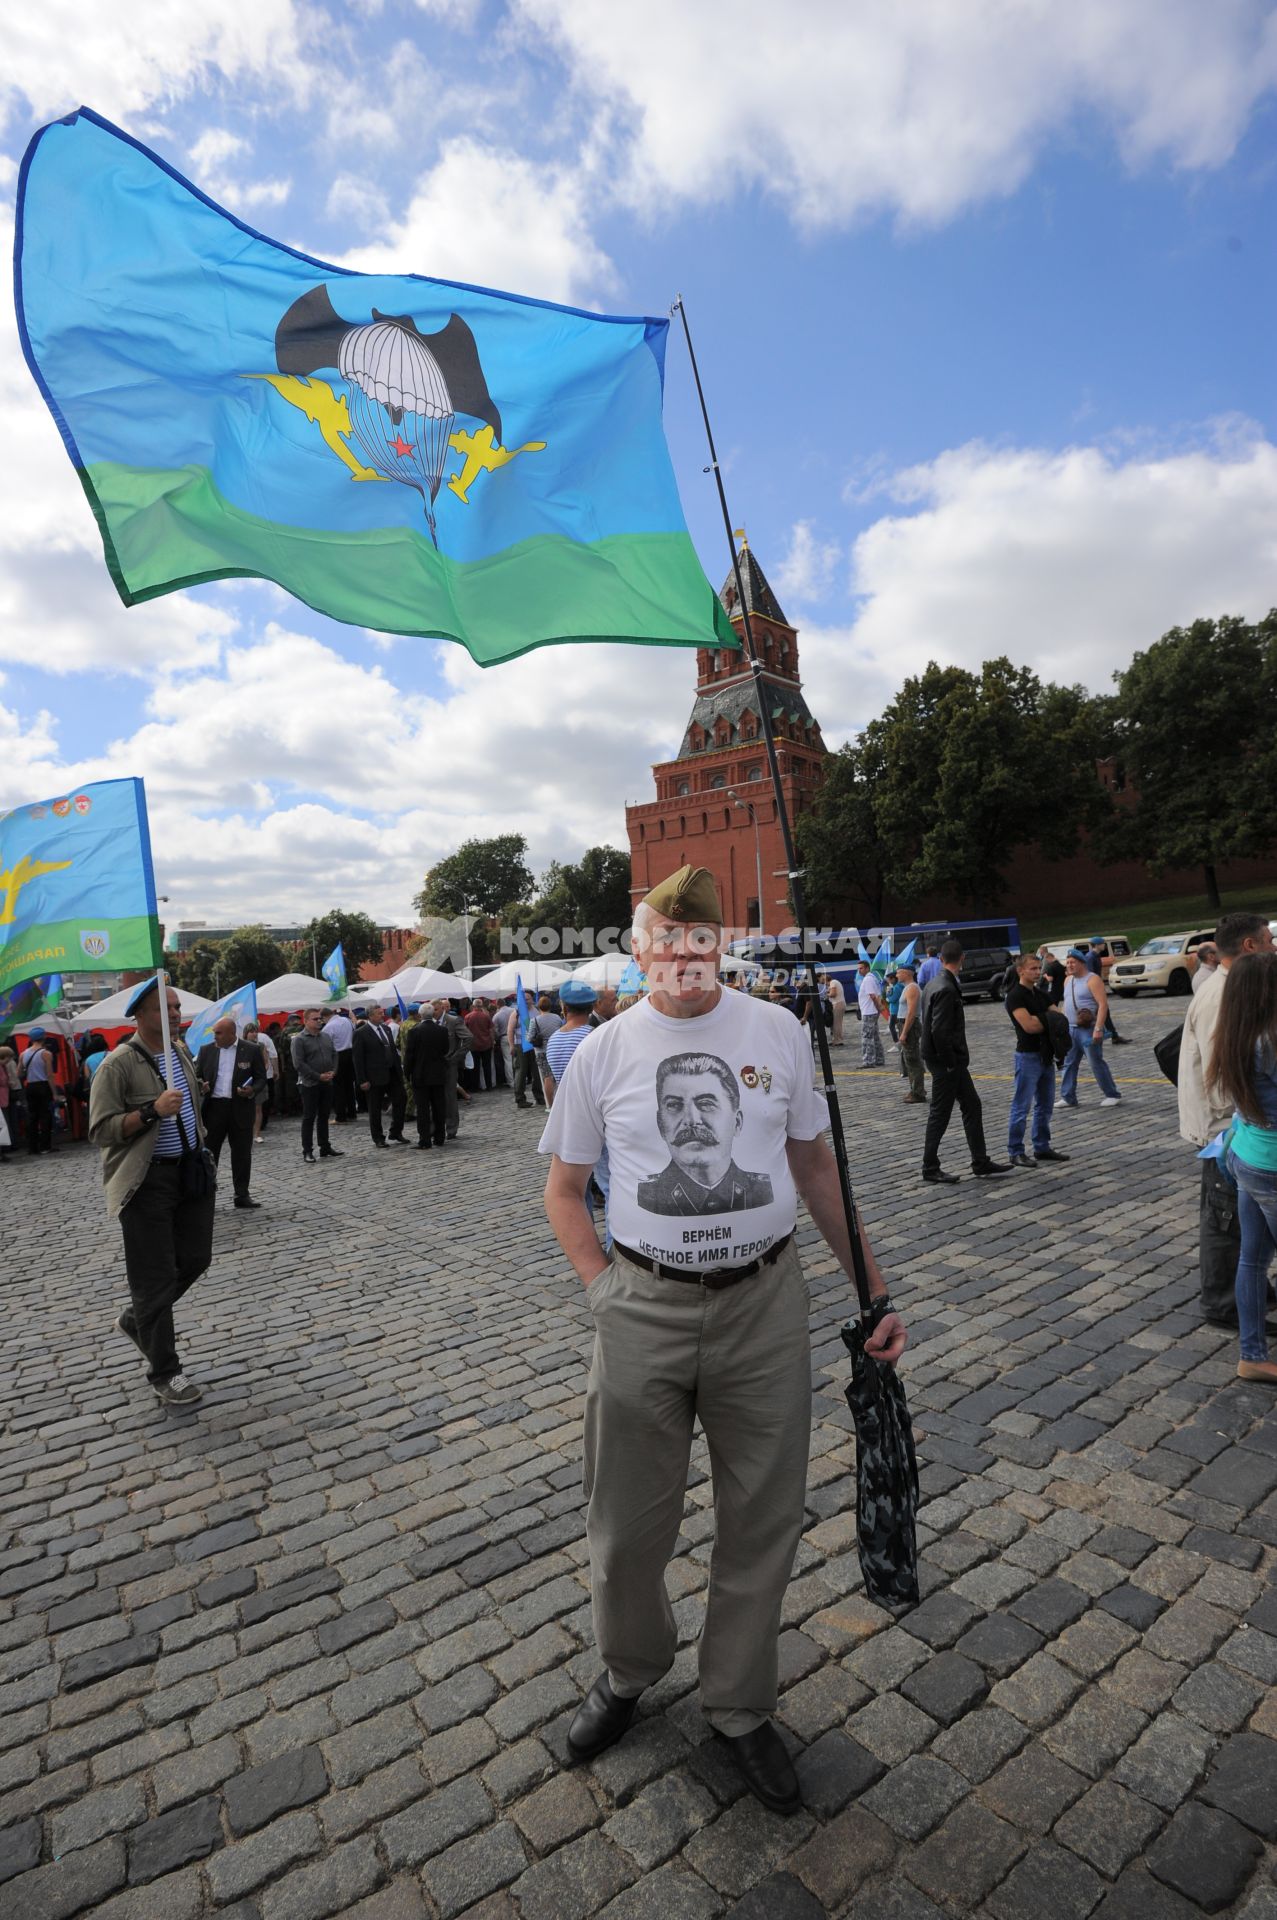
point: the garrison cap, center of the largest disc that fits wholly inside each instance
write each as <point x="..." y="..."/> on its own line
<point x="139" y="994"/>
<point x="688" y="895"/>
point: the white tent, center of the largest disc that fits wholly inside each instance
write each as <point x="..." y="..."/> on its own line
<point x="606" y="971"/>
<point x="111" y="1011"/>
<point x="538" y="976"/>
<point x="414" y="983"/>
<point x="291" y="993"/>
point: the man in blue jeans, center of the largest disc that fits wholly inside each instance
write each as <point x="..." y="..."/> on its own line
<point x="1086" y="1007"/>
<point x="1034" y="1066"/>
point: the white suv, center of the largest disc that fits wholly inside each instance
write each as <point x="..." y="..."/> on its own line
<point x="1164" y="965"/>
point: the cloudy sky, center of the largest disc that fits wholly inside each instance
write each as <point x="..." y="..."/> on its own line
<point x="983" y="297"/>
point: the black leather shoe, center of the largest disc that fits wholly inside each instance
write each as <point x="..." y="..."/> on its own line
<point x="1022" y="1160"/>
<point x="379" y="1143"/>
<point x="1049" y="1154"/>
<point x="600" y="1720"/>
<point x="332" y="1153"/>
<point x="246" y="1202"/>
<point x="989" y="1169"/>
<point x="769" y="1772"/>
<point x="937" y="1177"/>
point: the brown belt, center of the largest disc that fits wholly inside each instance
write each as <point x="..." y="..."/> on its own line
<point x="715" y="1278"/>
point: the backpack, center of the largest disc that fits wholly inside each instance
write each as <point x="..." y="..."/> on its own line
<point x="1166" y="1053"/>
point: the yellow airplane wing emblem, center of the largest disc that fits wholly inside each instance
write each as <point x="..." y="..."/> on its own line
<point x="13" y="879"/>
<point x="324" y="409"/>
<point x="482" y="455"/>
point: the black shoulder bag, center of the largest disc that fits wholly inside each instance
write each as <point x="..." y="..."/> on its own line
<point x="197" y="1169"/>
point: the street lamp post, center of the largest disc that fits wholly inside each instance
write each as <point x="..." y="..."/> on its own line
<point x="747" y="806"/>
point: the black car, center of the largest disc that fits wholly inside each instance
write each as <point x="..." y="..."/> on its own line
<point x="982" y="972"/>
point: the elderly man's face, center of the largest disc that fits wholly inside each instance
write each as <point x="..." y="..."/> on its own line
<point x="679" y="958"/>
<point x="698" y="1124"/>
<point x="224" y="1033"/>
<point x="376" y="1015"/>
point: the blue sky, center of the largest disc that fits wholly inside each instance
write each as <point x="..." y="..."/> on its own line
<point x="983" y="302"/>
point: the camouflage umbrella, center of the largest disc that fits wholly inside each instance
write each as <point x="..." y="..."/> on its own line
<point x="886" y="1473"/>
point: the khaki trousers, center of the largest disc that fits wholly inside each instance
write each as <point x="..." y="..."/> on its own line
<point x="739" y="1360"/>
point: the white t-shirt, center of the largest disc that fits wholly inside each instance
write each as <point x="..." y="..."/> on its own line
<point x="695" y="1115"/>
<point x="869" y="995"/>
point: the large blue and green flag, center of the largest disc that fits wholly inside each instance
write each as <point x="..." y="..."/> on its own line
<point x="401" y="453"/>
<point x="77" y="888"/>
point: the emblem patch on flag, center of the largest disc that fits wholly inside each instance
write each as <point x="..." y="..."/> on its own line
<point x="96" y="944"/>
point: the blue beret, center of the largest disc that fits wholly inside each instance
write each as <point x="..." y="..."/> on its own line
<point x="577" y="993"/>
<point x="1078" y="953"/>
<point x="139" y="994"/>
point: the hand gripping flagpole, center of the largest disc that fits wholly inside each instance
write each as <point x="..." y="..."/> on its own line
<point x="794" y="871"/>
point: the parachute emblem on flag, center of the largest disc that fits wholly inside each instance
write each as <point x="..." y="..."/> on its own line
<point x="404" y="390"/>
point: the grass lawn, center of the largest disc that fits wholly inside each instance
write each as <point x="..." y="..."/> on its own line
<point x="1145" y="921"/>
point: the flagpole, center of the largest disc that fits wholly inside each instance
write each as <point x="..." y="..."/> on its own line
<point x="165" y="1038"/>
<point x="794" y="871"/>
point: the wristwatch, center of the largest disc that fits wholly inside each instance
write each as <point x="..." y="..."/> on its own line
<point x="147" y="1115"/>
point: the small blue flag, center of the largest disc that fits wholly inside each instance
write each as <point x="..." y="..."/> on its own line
<point x="633" y="979"/>
<point x="906" y="958"/>
<point x="525" y="1016"/>
<point x="403" y="1011"/>
<point x="241" y="1006"/>
<point x="862" y="953"/>
<point x="334" y="971"/>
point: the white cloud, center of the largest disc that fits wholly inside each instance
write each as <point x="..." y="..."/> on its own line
<point x="210" y="169"/>
<point x="843" y="110"/>
<point x="1069" y="562"/>
<point x="59" y="53"/>
<point x="493" y="217"/>
<point x="807" y="571"/>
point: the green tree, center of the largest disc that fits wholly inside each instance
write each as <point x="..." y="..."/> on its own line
<point x="196" y="969"/>
<point x="939" y="792"/>
<point x="359" y="937"/>
<point x="595" y="892"/>
<point x="249" y="954"/>
<point x="843" y="857"/>
<point x="1194" y="730"/>
<point x="482" y="873"/>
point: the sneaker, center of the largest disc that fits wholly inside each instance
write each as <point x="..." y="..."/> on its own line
<point x="127" y="1328"/>
<point x="1070" y="1106"/>
<point x="177" y="1392"/>
<point x="1111" y="1100"/>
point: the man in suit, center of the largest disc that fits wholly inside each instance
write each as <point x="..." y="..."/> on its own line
<point x="948" y="1059"/>
<point x="231" y="1073"/>
<point x="378" y="1072"/>
<point x="426" y="1062"/>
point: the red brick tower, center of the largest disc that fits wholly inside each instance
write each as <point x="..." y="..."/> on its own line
<point x="714" y="806"/>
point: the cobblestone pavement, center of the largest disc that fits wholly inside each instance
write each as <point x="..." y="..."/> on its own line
<point x="312" y="1649"/>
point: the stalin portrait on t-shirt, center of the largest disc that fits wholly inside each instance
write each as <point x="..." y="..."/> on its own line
<point x="698" y="1115"/>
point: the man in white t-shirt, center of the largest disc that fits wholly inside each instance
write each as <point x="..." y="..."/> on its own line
<point x="705" y="1104"/>
<point x="869" y="999"/>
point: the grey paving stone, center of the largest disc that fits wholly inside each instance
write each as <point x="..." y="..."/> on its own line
<point x="557" y="1812"/>
<point x="1048" y="1880"/>
<point x="435" y="1822"/>
<point x="978" y="1745"/>
<point x="574" y="1881"/>
<point x="1206" y="1855"/>
<point x="260" y="1794"/>
<point x="659" y="1820"/>
<point x="941" y="1620"/>
<point x="947" y="1687"/>
<point x="1109" y="1827"/>
<point x="916" y="1796"/>
<point x="1000" y="1643"/>
<point x="237" y="1869"/>
<point x="1217" y="1698"/>
<point x="779" y="1897"/>
<point x="1051" y="1606"/>
<point x="1038" y="1692"/>
<point x="743" y="1845"/>
<point x="1095" y="1732"/>
<point x="834" y="1770"/>
<point x="1033" y="1789"/>
<point x="174" y="1840"/>
<point x="965" y="1859"/>
<point x="891" y="1728"/>
<point x="1243" y="1782"/>
<point x="473" y="1868"/>
<point x="1138" y="1896"/>
<point x="838" y="1859"/>
<point x="95" y="1815"/>
<point x="66" y="1886"/>
<point x="326" y="1887"/>
<point x="1166" y="1762"/>
<point x="19" y="1849"/>
<point x="673" y="1892"/>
